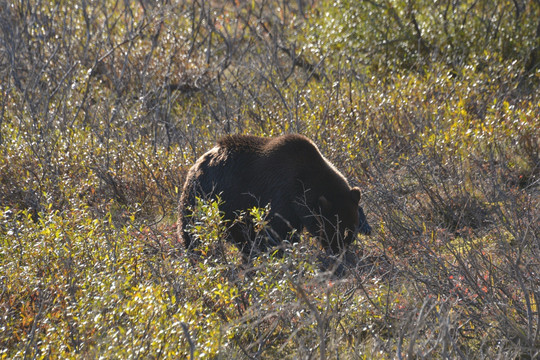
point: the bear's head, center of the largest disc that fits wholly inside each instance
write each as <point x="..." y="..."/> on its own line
<point x="341" y="219"/>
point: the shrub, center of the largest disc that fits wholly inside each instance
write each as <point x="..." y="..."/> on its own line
<point x="430" y="107"/>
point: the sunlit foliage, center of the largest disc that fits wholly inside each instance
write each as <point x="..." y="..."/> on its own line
<point x="431" y="107"/>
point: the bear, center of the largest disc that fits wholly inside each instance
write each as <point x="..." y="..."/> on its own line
<point x="303" y="190"/>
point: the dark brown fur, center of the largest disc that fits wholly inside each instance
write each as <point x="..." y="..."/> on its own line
<point x="288" y="172"/>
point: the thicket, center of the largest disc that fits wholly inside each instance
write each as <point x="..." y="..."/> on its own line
<point x="431" y="107"/>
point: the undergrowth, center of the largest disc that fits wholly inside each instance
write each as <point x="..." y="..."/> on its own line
<point x="431" y="108"/>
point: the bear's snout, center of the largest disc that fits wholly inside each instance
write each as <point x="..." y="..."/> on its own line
<point x="363" y="226"/>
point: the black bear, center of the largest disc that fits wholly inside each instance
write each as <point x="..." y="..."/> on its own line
<point x="303" y="189"/>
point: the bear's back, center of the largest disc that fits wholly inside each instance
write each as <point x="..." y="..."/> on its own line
<point x="280" y="161"/>
<point x="242" y="143"/>
<point x="290" y="146"/>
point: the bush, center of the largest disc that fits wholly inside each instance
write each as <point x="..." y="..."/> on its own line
<point x="430" y="107"/>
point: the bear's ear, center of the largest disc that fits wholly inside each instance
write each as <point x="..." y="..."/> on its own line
<point x="324" y="204"/>
<point x="355" y="195"/>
